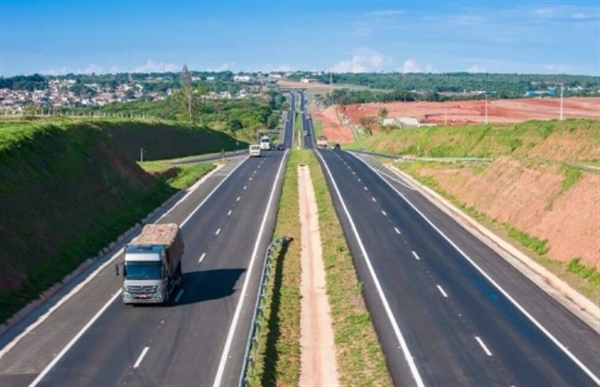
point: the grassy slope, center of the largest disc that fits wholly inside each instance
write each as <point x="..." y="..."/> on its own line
<point x="67" y="190"/>
<point x="571" y="143"/>
<point x="542" y="138"/>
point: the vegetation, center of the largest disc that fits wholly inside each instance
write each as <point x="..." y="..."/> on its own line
<point x="516" y="140"/>
<point x="359" y="355"/>
<point x="428" y="85"/>
<point x="40" y="164"/>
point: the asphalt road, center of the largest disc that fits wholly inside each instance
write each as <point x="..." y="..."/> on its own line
<point x="448" y="310"/>
<point x="92" y="339"/>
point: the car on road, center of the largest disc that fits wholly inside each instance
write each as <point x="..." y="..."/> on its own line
<point x="336" y="146"/>
<point x="280" y="147"/>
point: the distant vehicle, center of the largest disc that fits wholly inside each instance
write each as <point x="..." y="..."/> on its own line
<point x="336" y="146"/>
<point x="280" y="147"/>
<point x="255" y="150"/>
<point x="152" y="264"/>
<point x="322" y="142"/>
<point x="265" y="143"/>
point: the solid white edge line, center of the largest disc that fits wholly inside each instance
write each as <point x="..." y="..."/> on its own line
<point x="211" y="194"/>
<point x="179" y="294"/>
<point x="139" y="360"/>
<point x="380" y="292"/>
<point x="86" y="281"/>
<point x="485" y="348"/>
<point x="73" y="340"/>
<point x="416" y="256"/>
<point x="238" y="309"/>
<point x="442" y="291"/>
<point x="500" y="289"/>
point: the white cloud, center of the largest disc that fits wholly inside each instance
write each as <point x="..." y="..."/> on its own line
<point x="476" y="69"/>
<point x="411" y="66"/>
<point x="390" y="12"/>
<point x="59" y="71"/>
<point x="583" y="15"/>
<point x="222" y="67"/>
<point x="284" y="67"/>
<point x="91" y="68"/>
<point x="363" y="61"/>
<point x="156" y="67"/>
<point x="546" y="12"/>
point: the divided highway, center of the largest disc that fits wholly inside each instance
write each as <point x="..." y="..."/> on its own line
<point x="448" y="310"/>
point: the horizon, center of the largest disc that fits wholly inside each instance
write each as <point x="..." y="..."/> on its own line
<point x="433" y="37"/>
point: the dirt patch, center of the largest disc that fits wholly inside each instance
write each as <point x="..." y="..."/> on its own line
<point x="332" y="128"/>
<point x="318" y="354"/>
<point x="529" y="197"/>
<point x="452" y="113"/>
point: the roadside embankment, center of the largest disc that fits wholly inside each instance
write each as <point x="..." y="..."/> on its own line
<point x="68" y="189"/>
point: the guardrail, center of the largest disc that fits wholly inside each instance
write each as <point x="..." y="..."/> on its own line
<point x="248" y="367"/>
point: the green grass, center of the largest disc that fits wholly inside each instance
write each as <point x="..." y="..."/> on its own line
<point x="493" y="140"/>
<point x="574" y="266"/>
<point x="571" y="177"/>
<point x="530" y="242"/>
<point x="360" y="357"/>
<point x="67" y="191"/>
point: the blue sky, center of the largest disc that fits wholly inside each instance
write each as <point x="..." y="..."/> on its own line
<point x="524" y="36"/>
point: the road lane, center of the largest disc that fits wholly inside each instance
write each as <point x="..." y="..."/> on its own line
<point x="441" y="331"/>
<point x="106" y="354"/>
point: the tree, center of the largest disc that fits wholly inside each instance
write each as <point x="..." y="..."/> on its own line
<point x="186" y="86"/>
<point x="382" y="113"/>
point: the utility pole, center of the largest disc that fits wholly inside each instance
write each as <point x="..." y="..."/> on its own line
<point x="486" y="108"/>
<point x="561" y="101"/>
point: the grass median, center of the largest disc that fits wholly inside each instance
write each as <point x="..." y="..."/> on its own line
<point x="359" y="355"/>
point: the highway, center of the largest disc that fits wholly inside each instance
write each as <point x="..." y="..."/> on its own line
<point x="93" y="339"/>
<point x="447" y="309"/>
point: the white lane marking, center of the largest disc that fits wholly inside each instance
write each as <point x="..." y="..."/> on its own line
<point x="202" y="258"/>
<point x="210" y="194"/>
<point x="139" y="360"/>
<point x="229" y="213"/>
<point x="245" y="187"/>
<point x="383" y="212"/>
<point x="250" y="179"/>
<point x="396" y="229"/>
<point x="359" y="180"/>
<point x="373" y="199"/>
<point x="442" y="291"/>
<point x="487" y="351"/>
<point x="416" y="256"/>
<point x="179" y="296"/>
<point x="218" y="231"/>
<point x="238" y="309"/>
<point x="74" y="340"/>
<point x="560" y="345"/>
<point x="407" y="355"/>
<point x="238" y="199"/>
<point x="366" y="189"/>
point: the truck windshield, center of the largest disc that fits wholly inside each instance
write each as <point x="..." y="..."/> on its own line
<point x="140" y="270"/>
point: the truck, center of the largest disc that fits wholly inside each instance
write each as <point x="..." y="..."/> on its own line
<point x="265" y="143"/>
<point x="322" y="142"/>
<point x="152" y="265"/>
<point x="254" y="150"/>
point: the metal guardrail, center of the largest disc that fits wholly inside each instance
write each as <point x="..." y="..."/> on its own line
<point x="251" y="351"/>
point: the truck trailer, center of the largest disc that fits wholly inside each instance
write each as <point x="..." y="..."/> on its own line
<point x="152" y="265"/>
<point x="322" y="142"/>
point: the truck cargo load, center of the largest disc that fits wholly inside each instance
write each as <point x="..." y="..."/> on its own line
<point x="322" y="142"/>
<point x="152" y="264"/>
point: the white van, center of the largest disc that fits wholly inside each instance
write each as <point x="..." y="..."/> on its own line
<point x="255" y="150"/>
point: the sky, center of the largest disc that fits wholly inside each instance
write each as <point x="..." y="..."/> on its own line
<point x="524" y="36"/>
